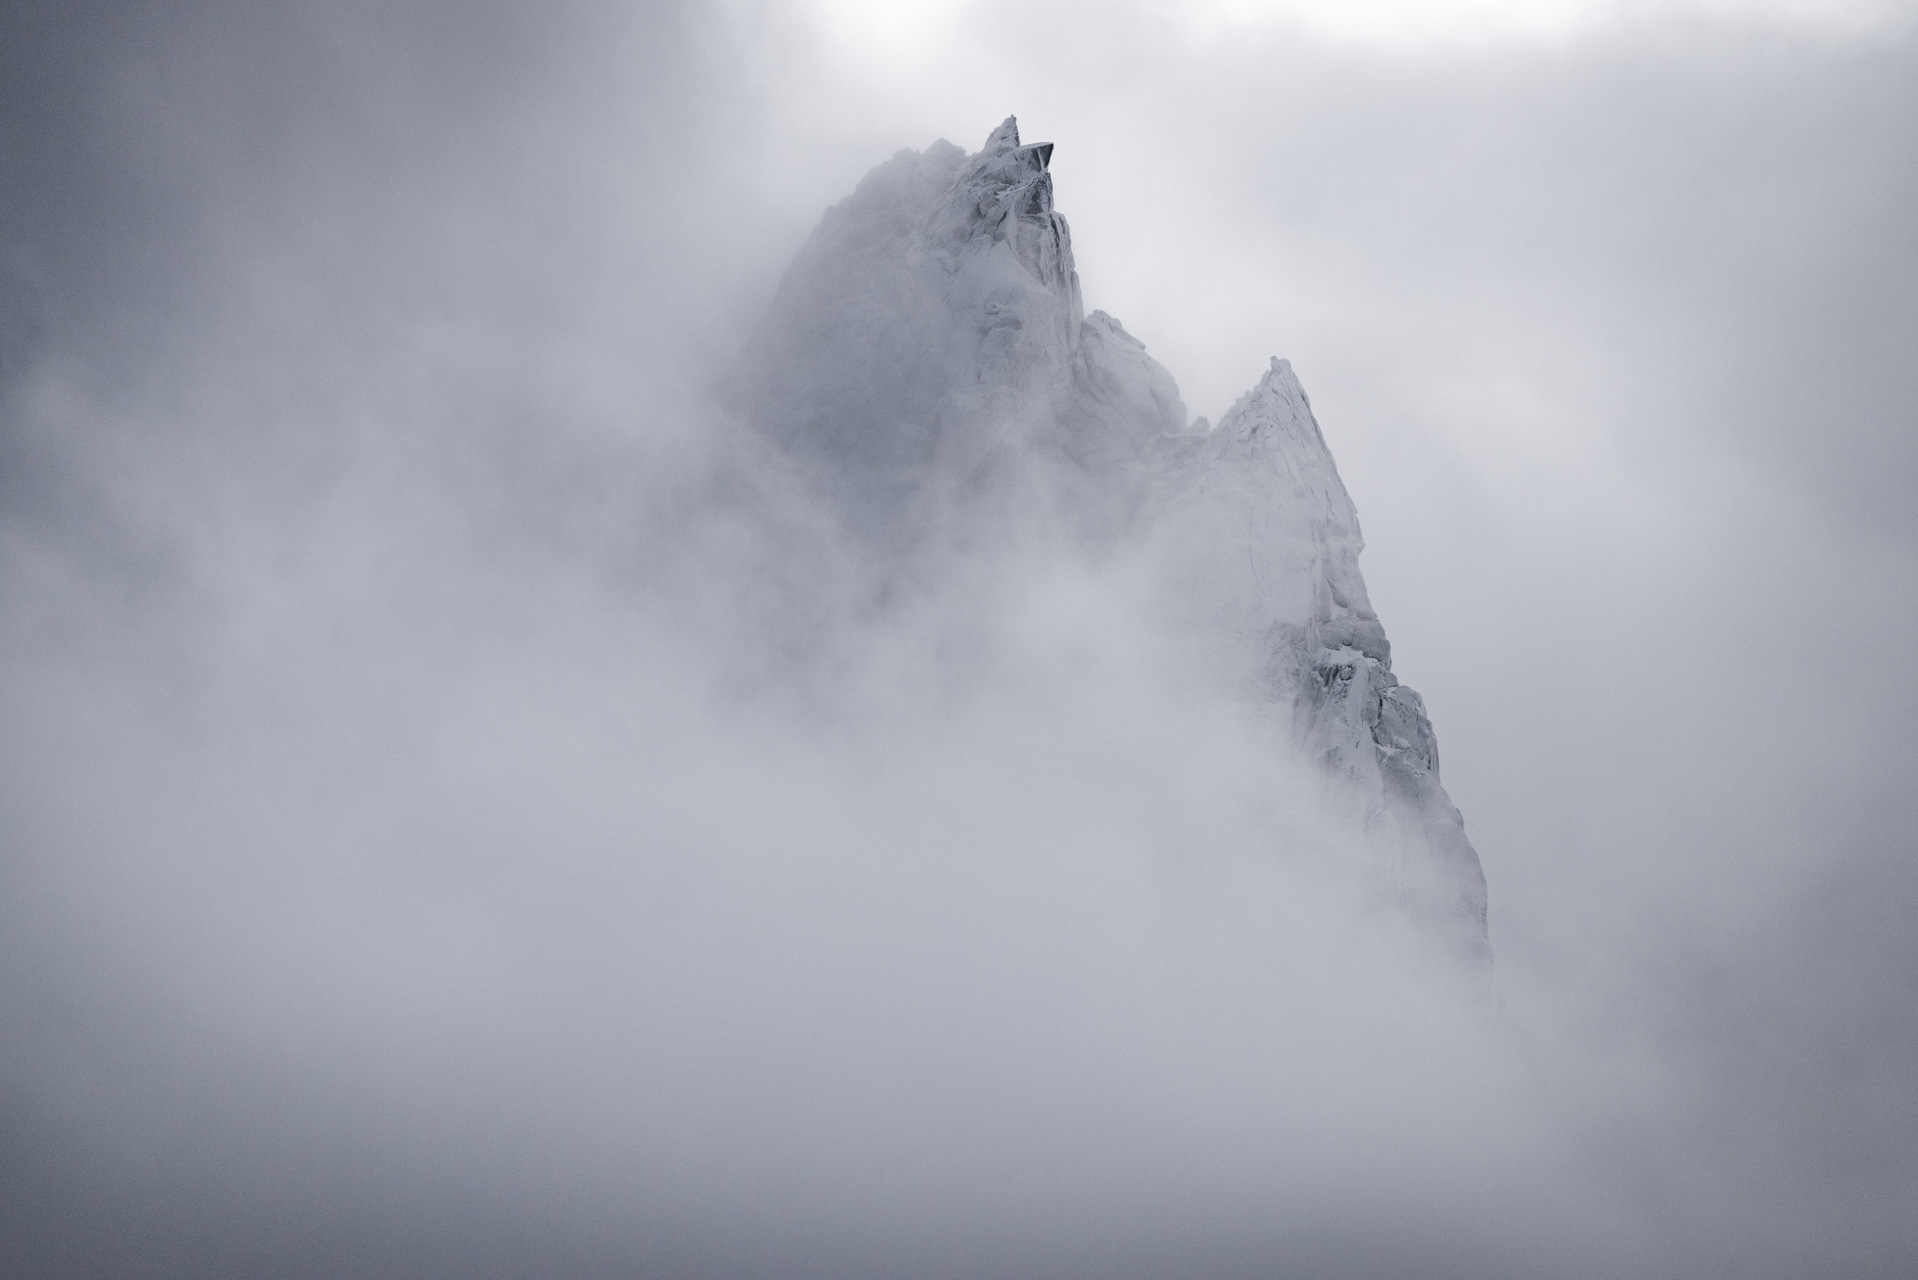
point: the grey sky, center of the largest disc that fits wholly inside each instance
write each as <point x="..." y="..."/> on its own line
<point x="352" y="355"/>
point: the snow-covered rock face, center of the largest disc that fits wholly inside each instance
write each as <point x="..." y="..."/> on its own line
<point x="927" y="359"/>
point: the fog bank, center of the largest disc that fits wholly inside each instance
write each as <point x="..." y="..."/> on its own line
<point x="467" y="808"/>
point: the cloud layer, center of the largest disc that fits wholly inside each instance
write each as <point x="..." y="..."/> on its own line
<point x="461" y="819"/>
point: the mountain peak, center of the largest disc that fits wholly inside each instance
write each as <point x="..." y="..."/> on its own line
<point x="929" y="356"/>
<point x="1004" y="138"/>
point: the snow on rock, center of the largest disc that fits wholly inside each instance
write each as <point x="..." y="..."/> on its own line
<point x="927" y="353"/>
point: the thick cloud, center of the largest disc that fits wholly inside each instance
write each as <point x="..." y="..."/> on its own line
<point x="452" y="827"/>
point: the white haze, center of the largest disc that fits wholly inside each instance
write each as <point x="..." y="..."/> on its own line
<point x="463" y="814"/>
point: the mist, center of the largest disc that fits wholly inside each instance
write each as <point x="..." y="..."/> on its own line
<point x="470" y="808"/>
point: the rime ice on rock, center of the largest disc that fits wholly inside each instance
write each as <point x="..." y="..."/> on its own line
<point x="928" y="353"/>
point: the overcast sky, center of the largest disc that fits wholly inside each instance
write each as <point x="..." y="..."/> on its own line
<point x="348" y="354"/>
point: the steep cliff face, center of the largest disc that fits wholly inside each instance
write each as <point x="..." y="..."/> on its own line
<point x="928" y="359"/>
